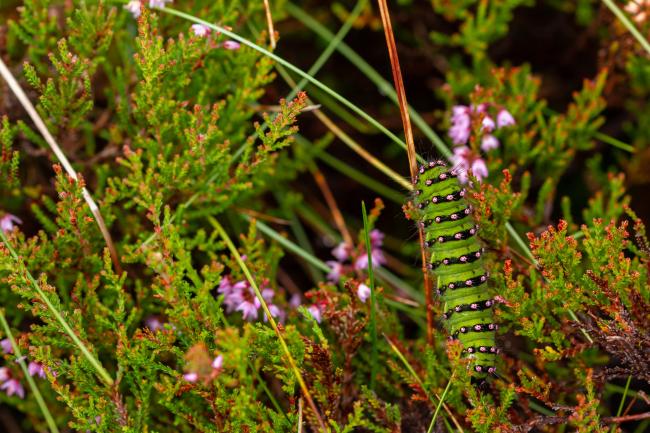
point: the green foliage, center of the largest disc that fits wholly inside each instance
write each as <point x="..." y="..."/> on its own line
<point x="175" y="134"/>
<point x="10" y="158"/>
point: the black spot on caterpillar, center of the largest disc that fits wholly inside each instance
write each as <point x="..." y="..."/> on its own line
<point x="456" y="258"/>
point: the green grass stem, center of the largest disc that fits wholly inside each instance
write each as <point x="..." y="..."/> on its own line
<point x="374" y="363"/>
<point x="30" y="380"/>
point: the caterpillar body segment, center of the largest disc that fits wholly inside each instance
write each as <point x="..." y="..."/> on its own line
<point x="456" y="258"/>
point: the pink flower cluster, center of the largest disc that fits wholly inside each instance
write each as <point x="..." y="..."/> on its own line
<point x="240" y="296"/>
<point x="461" y="128"/>
<point x="8" y="222"/>
<point x="344" y="252"/>
<point x="10" y="384"/>
<point x="202" y="31"/>
<point x="461" y="124"/>
<point x="135" y="6"/>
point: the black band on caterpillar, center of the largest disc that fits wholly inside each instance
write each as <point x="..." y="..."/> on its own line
<point x="482" y="349"/>
<point x="465" y="258"/>
<point x="441" y="178"/>
<point x="429" y="165"/>
<point x="479" y="327"/>
<point x="470" y="282"/>
<point x="452" y="217"/>
<point x="485" y="369"/>
<point x="449" y="197"/>
<point x="455" y="237"/>
<point x="474" y="306"/>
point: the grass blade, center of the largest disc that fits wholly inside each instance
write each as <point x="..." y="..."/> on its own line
<point x="66" y="327"/>
<point x="442" y="399"/>
<point x="30" y="380"/>
<point x="628" y="24"/>
<point x="373" y="302"/>
<point x="622" y="403"/>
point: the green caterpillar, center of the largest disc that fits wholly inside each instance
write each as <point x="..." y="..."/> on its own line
<point x="456" y="258"/>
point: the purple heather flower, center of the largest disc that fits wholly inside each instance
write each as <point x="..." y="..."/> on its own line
<point x="378" y="258"/>
<point x="460" y="113"/>
<point x="489" y="142"/>
<point x="231" y="45"/>
<point x="8" y="222"/>
<point x="153" y="323"/>
<point x="275" y="311"/>
<point x="487" y="124"/>
<point x="36" y="369"/>
<point x="191" y="377"/>
<point x="217" y="364"/>
<point x="336" y="269"/>
<point x="241" y="297"/>
<point x="200" y="30"/>
<point x="460" y="124"/>
<point x="134" y="6"/>
<point x="315" y="312"/>
<point x="376" y="238"/>
<point x="341" y="252"/>
<point x="4" y="374"/>
<point x="363" y="292"/>
<point x="5" y="343"/>
<point x="504" y="118"/>
<point x="249" y="309"/>
<point x="480" y="108"/>
<point x="479" y="169"/>
<point x="232" y="294"/>
<point x="464" y="161"/>
<point x="459" y="134"/>
<point x="13" y="386"/>
<point x="295" y="301"/>
<point x="159" y="3"/>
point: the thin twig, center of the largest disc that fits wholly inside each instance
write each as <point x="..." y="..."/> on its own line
<point x="40" y="125"/>
<point x="300" y="415"/>
<point x="626" y="418"/>
<point x="269" y="23"/>
<point x="334" y="209"/>
<point x="410" y="150"/>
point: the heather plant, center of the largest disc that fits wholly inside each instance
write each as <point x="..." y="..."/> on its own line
<point x="201" y="230"/>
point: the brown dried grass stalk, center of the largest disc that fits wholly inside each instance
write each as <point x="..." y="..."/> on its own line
<point x="410" y="149"/>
